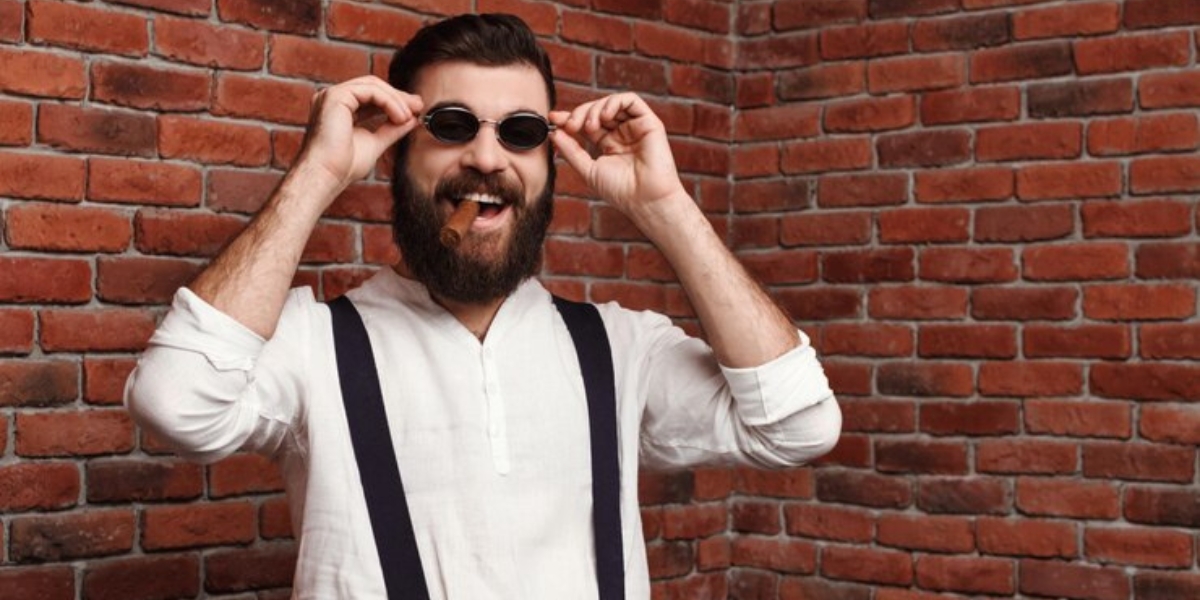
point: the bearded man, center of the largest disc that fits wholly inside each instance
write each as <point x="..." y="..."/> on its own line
<point x="479" y="439"/>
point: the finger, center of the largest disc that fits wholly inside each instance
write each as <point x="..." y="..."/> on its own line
<point x="616" y="110"/>
<point x="569" y="122"/>
<point x="633" y="118"/>
<point x="609" y="144"/>
<point x="602" y="121"/>
<point x="592" y="120"/>
<point x="634" y="105"/>
<point x="578" y="117"/>
<point x="413" y="101"/>
<point x="362" y="93"/>
<point x="575" y="155"/>
<point x="370" y="145"/>
<point x="370" y="116"/>
<point x="399" y="106"/>
<point x="558" y="118"/>
<point x="388" y="134"/>
<point x="612" y="116"/>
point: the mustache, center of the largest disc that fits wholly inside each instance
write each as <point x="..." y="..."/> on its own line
<point x="470" y="181"/>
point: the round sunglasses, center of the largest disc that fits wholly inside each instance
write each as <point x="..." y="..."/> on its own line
<point x="457" y="125"/>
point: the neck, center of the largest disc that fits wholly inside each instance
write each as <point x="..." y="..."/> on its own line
<point x="477" y="317"/>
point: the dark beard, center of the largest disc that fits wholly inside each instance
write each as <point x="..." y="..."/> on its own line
<point x="467" y="274"/>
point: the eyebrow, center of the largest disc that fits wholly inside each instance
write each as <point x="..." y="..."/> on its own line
<point x="462" y="105"/>
<point x="448" y="104"/>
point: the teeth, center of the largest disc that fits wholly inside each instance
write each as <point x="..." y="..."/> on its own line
<point x="483" y="198"/>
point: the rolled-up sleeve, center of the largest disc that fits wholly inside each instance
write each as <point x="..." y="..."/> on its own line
<point x="782" y="387"/>
<point x="209" y="386"/>
<point x="697" y="412"/>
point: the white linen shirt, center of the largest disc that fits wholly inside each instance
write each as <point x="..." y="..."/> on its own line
<point x="491" y="437"/>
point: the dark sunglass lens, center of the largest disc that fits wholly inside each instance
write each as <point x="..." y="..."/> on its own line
<point x="523" y="131"/>
<point x="453" y="125"/>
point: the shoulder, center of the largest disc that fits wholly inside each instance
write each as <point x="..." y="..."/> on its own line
<point x="301" y="306"/>
<point x="639" y="331"/>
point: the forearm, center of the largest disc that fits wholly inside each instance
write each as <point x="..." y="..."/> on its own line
<point x="744" y="326"/>
<point x="249" y="280"/>
<point x="636" y="174"/>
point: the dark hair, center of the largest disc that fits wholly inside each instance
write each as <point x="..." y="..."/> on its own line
<point x="489" y="39"/>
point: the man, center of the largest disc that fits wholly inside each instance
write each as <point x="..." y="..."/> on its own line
<point x="481" y="381"/>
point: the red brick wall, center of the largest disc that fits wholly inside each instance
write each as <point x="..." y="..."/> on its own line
<point x="993" y="235"/>
<point x="984" y="212"/>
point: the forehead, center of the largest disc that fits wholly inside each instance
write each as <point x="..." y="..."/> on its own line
<point x="489" y="91"/>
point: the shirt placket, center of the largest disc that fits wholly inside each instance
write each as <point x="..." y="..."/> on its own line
<point x="497" y="421"/>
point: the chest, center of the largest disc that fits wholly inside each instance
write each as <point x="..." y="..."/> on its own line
<point x="470" y="415"/>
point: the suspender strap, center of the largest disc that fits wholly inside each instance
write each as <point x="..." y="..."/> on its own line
<point x="595" y="360"/>
<point x="376" y="457"/>
<point x="380" y="474"/>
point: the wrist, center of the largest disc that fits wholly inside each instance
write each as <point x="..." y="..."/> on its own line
<point x="675" y="213"/>
<point x="308" y="186"/>
<point x="312" y="172"/>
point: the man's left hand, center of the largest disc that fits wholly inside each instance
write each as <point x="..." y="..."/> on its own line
<point x="635" y="171"/>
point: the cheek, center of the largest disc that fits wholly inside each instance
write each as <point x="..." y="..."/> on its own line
<point x="427" y="166"/>
<point x="533" y="172"/>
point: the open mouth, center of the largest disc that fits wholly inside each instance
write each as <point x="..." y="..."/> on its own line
<point x="497" y="201"/>
<point x="492" y="214"/>
<point x="489" y="205"/>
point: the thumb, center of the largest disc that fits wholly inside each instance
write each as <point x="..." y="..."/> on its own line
<point x="388" y="134"/>
<point x="575" y="155"/>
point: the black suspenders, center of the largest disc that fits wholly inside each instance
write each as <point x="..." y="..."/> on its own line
<point x="380" y="475"/>
<point x="595" y="360"/>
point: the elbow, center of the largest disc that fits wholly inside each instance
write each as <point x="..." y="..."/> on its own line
<point x="143" y="400"/>
<point x="150" y="400"/>
<point x="826" y="437"/>
<point x="800" y="438"/>
<point x="816" y="434"/>
<point x="185" y="419"/>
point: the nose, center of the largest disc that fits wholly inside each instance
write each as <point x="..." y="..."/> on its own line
<point x="485" y="153"/>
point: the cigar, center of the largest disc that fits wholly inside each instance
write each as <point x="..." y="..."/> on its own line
<point x="456" y="228"/>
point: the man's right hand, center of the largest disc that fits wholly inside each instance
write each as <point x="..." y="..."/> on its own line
<point x="345" y="134"/>
<point x="249" y="280"/>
